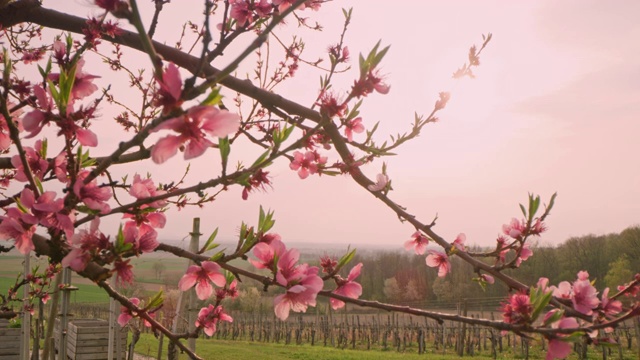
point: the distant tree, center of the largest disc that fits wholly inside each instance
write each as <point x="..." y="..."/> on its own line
<point x="159" y="267"/>
<point x="391" y="290"/>
<point x="630" y="244"/>
<point x="619" y="272"/>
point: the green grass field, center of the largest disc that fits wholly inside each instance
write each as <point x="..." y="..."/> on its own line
<point x="86" y="293"/>
<point x="244" y="350"/>
<point x="226" y="349"/>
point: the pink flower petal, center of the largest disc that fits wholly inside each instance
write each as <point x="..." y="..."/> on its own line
<point x="166" y="148"/>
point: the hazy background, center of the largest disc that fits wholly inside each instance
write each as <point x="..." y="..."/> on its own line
<point x="555" y="107"/>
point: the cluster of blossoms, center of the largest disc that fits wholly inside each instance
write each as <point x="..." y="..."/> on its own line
<point x="522" y="308"/>
<point x="202" y="277"/>
<point x="246" y="12"/>
<point x="308" y="163"/>
<point x="137" y="236"/>
<point x="515" y="234"/>
<point x="334" y="106"/>
<point x="301" y="281"/>
<point x="191" y="127"/>
<point x="435" y="258"/>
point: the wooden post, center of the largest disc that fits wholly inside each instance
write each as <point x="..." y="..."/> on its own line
<point x="112" y="347"/>
<point x="194" y="246"/>
<point x="49" y="343"/>
<point x="64" y="316"/>
<point x="26" y="315"/>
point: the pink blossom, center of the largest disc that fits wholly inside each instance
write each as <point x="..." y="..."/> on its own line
<point x="559" y="349"/>
<point x="487" y="278"/>
<point x="32" y="55"/>
<point x="34" y="121"/>
<point x="241" y="12"/>
<point x="584" y="296"/>
<point x="518" y="309"/>
<point x="313" y="4"/>
<point x="458" y="243"/>
<point x="267" y="253"/>
<point x="514" y="229"/>
<point x="48" y="210"/>
<point x="37" y="164"/>
<point x="609" y="307"/>
<point x="301" y="281"/>
<point x="124" y="271"/>
<point x="328" y="264"/>
<point x="306" y="164"/>
<point x="331" y="105"/>
<point x="202" y="277"/>
<point x="82" y="85"/>
<point x="18" y="226"/>
<point x="583" y="275"/>
<point x="86" y="242"/>
<point x="258" y="180"/>
<point x="76" y="259"/>
<point x="285" y="4"/>
<point x="155" y="219"/>
<point x="143" y="238"/>
<point x="60" y="167"/>
<point x="538" y="227"/>
<point x="126" y="314"/>
<point x="192" y="129"/>
<point x="231" y="290"/>
<point x="525" y="253"/>
<point x="347" y="287"/>
<point x="373" y="81"/>
<point x="563" y="290"/>
<point x="209" y="316"/>
<point x="142" y="189"/>
<point x="381" y="183"/>
<point x="111" y="5"/>
<point x="418" y="243"/>
<point x="353" y="126"/>
<point x="5" y="139"/>
<point x="440" y="260"/>
<point x="91" y="194"/>
<point x="543" y="284"/>
<point x="263" y="8"/>
<point x="170" y="90"/>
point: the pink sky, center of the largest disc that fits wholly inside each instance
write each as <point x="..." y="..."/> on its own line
<point x="554" y="108"/>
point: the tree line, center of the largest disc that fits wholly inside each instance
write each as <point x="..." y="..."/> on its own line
<point x="402" y="277"/>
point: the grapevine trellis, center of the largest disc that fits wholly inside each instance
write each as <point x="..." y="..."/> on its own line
<point x="383" y="331"/>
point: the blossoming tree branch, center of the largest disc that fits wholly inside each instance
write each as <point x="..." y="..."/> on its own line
<point x="55" y="193"/>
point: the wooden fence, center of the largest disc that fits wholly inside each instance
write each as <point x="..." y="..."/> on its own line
<point x="399" y="332"/>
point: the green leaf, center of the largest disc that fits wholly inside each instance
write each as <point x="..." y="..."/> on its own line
<point x="363" y="66"/>
<point x="210" y="245"/>
<point x="557" y="315"/>
<point x="217" y="256"/>
<point x="524" y="211"/>
<point x="378" y="58"/>
<point x="55" y="95"/>
<point x="346" y="258"/>
<point x="229" y="277"/>
<point x="534" y="204"/>
<point x="541" y="301"/>
<point x="156" y="300"/>
<point x="261" y="158"/>
<point x="552" y="201"/>
<point x="225" y="150"/>
<point x="38" y="184"/>
<point x="213" y="98"/>
<point x="261" y="218"/>
<point x="8" y="65"/>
